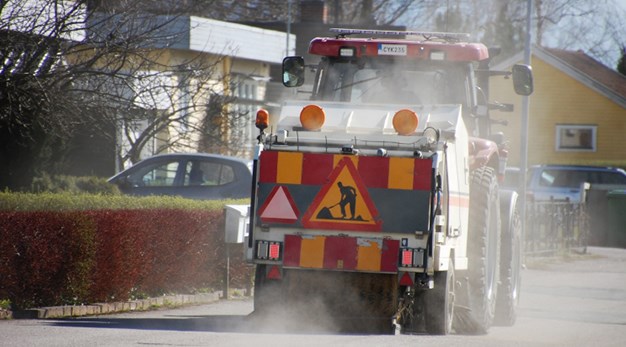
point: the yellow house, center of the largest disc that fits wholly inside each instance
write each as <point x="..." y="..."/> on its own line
<point x="577" y="112"/>
<point x="240" y="57"/>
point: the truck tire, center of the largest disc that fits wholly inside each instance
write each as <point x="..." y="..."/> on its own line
<point x="439" y="303"/>
<point x="510" y="261"/>
<point x="483" y="247"/>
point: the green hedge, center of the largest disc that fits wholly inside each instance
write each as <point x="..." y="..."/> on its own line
<point x="73" y="184"/>
<point x="60" y="249"/>
<point x="81" y="202"/>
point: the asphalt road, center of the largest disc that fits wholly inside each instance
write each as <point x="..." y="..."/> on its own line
<point x="578" y="301"/>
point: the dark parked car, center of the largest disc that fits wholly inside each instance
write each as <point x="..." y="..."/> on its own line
<point x="190" y="175"/>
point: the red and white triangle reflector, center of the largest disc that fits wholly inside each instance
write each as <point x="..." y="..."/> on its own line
<point x="279" y="207"/>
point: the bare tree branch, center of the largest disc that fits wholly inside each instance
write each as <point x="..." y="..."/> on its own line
<point x="66" y="66"/>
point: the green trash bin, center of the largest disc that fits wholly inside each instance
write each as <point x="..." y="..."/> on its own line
<point x="617" y="218"/>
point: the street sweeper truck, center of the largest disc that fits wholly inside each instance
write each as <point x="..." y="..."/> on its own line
<point x="376" y="199"/>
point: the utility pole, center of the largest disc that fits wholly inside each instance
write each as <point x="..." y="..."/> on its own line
<point x="288" y="25"/>
<point x="524" y="125"/>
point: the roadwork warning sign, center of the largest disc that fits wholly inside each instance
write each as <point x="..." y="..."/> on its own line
<point x="343" y="202"/>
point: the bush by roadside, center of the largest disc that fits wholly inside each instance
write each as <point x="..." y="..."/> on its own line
<point x="68" y="201"/>
<point x="73" y="184"/>
<point x="58" y="249"/>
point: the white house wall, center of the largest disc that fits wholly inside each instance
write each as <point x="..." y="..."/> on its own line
<point x="238" y="41"/>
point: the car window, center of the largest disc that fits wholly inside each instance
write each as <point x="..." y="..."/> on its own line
<point x="547" y="178"/>
<point x="611" y="178"/>
<point x="575" y="178"/>
<point x="563" y="178"/>
<point x="206" y="173"/>
<point x="157" y="175"/>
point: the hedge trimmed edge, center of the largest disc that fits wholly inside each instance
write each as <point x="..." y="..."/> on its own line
<point x="70" y="256"/>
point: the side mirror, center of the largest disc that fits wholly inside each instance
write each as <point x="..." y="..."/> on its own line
<point x="293" y="71"/>
<point x="523" y="79"/>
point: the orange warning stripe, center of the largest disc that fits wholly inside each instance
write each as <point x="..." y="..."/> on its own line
<point x="401" y="173"/>
<point x="290" y="164"/>
<point x="312" y="252"/>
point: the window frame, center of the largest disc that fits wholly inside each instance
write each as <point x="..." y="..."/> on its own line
<point x="560" y="128"/>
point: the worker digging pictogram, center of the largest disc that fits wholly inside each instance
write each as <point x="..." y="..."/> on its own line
<point x="343" y="202"/>
<point x="348" y="199"/>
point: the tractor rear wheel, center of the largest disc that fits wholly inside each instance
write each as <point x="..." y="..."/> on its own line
<point x="510" y="264"/>
<point x="483" y="250"/>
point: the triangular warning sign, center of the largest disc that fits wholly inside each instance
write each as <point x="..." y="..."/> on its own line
<point x="279" y="207"/>
<point x="343" y="202"/>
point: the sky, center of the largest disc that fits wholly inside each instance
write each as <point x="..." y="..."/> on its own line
<point x="586" y="35"/>
<point x="610" y="48"/>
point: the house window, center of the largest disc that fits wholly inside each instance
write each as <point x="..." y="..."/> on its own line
<point x="576" y="137"/>
<point x="248" y="102"/>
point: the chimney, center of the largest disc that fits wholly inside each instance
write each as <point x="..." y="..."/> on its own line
<point x="313" y="11"/>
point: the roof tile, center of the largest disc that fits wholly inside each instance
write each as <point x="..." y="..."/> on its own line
<point x="592" y="68"/>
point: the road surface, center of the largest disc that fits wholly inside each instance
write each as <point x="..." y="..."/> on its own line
<point x="577" y="301"/>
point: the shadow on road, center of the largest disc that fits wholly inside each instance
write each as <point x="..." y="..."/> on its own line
<point x="218" y="323"/>
<point x="222" y="323"/>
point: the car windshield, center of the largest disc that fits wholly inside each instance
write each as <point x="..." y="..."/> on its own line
<point x="573" y="178"/>
<point x="386" y="81"/>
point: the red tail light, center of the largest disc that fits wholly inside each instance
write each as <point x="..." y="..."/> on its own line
<point x="412" y="257"/>
<point x="407" y="257"/>
<point x="269" y="250"/>
<point x="274" y="251"/>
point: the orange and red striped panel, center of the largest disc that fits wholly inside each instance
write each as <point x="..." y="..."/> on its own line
<point x="341" y="253"/>
<point x="375" y="172"/>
